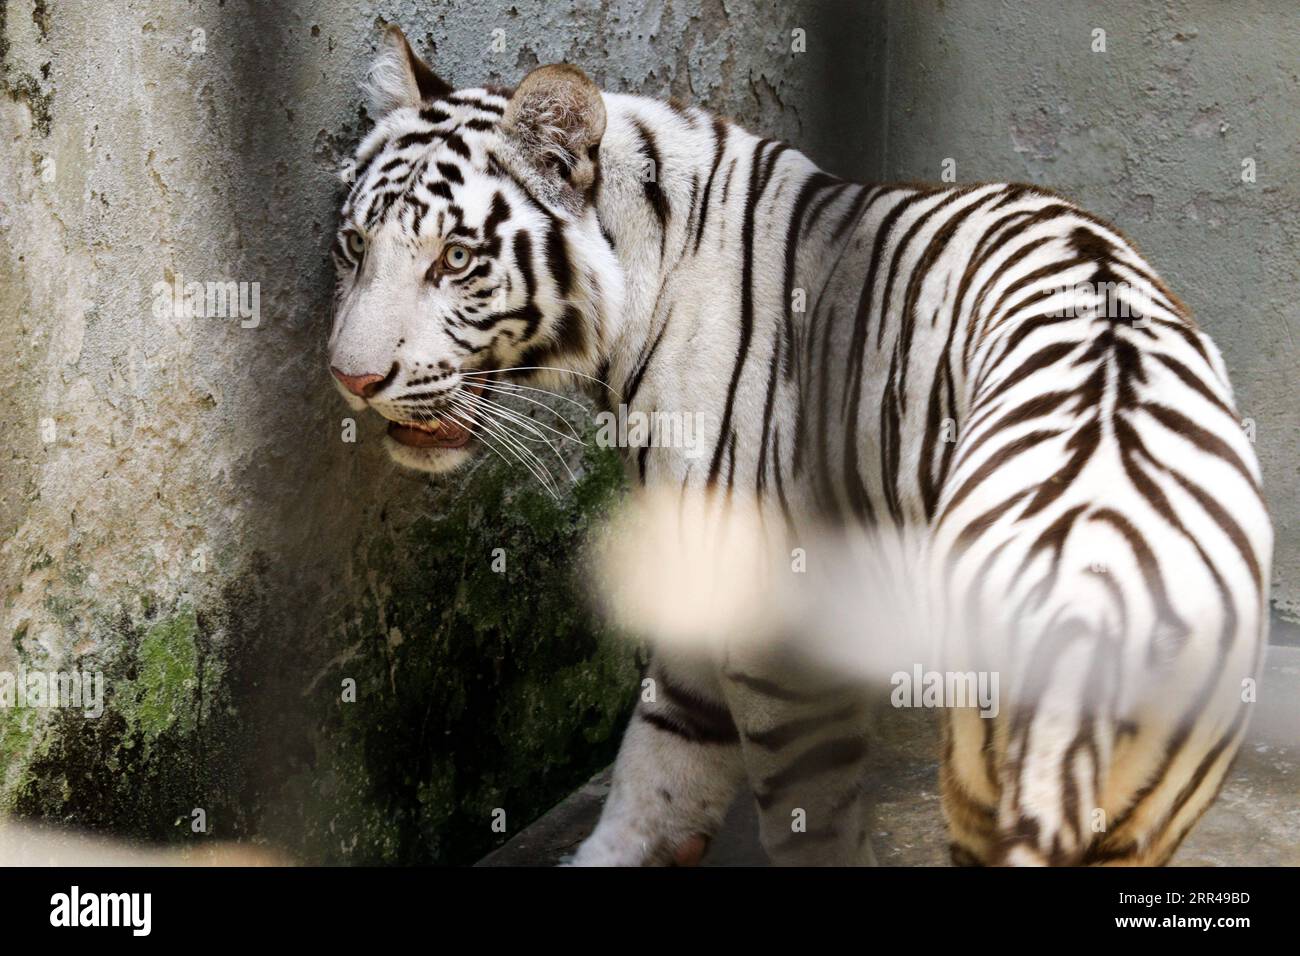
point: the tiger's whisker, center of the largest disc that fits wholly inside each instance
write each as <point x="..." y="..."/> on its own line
<point x="543" y="368"/>
<point x="521" y="454"/>
<point x="531" y="423"/>
<point x="504" y="386"/>
<point x="526" y="456"/>
<point x="549" y="444"/>
<point x="468" y="426"/>
<point x="510" y="393"/>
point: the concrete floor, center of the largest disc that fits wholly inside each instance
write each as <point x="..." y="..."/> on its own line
<point x="1255" y="821"/>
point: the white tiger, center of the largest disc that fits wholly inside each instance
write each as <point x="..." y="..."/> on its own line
<point x="868" y="355"/>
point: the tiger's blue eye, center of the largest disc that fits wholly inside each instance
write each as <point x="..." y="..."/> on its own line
<point x="456" y="258"/>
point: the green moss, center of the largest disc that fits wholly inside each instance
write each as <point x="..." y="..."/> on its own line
<point x="163" y="691"/>
<point x="169" y="739"/>
<point x="17" y="736"/>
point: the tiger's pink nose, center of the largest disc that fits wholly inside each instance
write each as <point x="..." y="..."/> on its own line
<point x="362" y="386"/>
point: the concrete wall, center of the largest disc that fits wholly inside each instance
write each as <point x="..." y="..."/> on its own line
<point x="179" y="511"/>
<point x="1151" y="134"/>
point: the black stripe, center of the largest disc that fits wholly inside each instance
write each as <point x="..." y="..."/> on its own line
<point x="654" y="194"/>
<point x="420" y="137"/>
<point x="1047" y="355"/>
<point x="466" y="100"/>
<point x="497" y="214"/>
<point x="557" y="260"/>
<point x="689" y="716"/>
<point x="824" y="757"/>
<point x="891" y="440"/>
<point x="1083" y="443"/>
<point x="1002" y="243"/>
<point x="756" y="183"/>
<point x="780" y="485"/>
<point x="669" y="725"/>
<point x="570" y="336"/>
<point x="826" y="201"/>
<point x="854" y="212"/>
<point x="995" y="461"/>
<point x="634" y="382"/>
<point x="522" y="247"/>
<point x="782" y="735"/>
<point x="767" y="688"/>
<point x="456" y="145"/>
<point x="726" y="179"/>
<point x="719" y="147"/>
<point x="850" y="404"/>
<point x="1205" y="440"/>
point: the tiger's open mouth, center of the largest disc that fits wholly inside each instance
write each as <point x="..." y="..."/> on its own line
<point x="435" y="433"/>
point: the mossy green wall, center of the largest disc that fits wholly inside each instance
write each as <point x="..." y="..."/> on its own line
<point x="480" y="683"/>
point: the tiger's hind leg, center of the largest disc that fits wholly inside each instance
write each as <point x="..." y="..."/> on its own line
<point x="968" y="785"/>
<point x="1163" y="778"/>
<point x="1059" y="785"/>
<point x="676" y="775"/>
<point x="1133" y="791"/>
<point x="1026" y="787"/>
<point x="1142" y="815"/>
<point x="805" y="751"/>
<point x="1054" y="752"/>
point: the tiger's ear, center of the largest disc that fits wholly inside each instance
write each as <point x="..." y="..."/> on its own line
<point x="557" y="118"/>
<point x="400" y="78"/>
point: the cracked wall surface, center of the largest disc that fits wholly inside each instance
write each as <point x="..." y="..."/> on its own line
<point x="179" y="512"/>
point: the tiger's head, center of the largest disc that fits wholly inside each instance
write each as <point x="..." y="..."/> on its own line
<point x="468" y="249"/>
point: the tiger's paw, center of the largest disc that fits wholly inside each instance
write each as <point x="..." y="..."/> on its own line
<point x="597" y="850"/>
<point x="691" y="851"/>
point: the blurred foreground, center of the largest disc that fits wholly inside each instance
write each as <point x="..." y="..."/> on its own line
<point x="22" y="845"/>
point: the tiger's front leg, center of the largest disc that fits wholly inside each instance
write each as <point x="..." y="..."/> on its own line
<point x="676" y="774"/>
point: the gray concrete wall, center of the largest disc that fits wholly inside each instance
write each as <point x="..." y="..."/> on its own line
<point x="1151" y="134"/>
